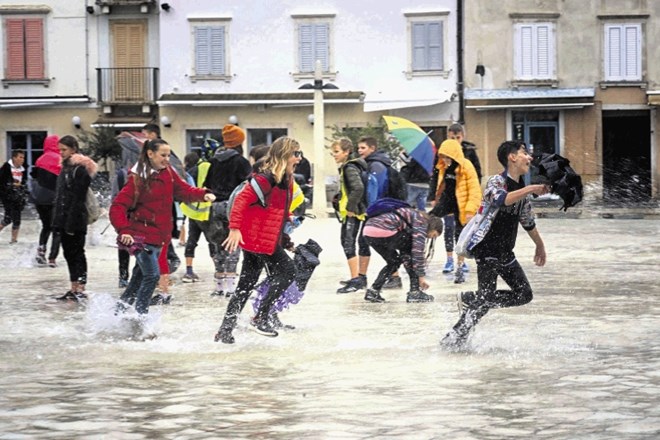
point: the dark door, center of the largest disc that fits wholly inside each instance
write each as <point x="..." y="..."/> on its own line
<point x="626" y="157"/>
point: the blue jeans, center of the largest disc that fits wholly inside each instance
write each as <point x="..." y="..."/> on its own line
<point x="144" y="278"/>
<point x="417" y="196"/>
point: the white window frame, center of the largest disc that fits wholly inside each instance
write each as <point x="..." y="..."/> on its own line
<point x="623" y="56"/>
<point x="223" y="23"/>
<point x="413" y="18"/>
<point x="532" y="69"/>
<point x="328" y="72"/>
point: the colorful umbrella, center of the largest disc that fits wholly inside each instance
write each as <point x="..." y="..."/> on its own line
<point x="413" y="139"/>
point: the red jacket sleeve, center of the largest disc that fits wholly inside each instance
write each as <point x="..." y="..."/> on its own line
<point x="121" y="204"/>
<point x="184" y="192"/>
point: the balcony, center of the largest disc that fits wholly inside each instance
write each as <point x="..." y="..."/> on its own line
<point x="127" y="85"/>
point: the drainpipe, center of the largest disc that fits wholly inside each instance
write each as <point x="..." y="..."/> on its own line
<point x="459" y="60"/>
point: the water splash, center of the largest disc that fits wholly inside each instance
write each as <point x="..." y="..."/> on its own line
<point x="102" y="321"/>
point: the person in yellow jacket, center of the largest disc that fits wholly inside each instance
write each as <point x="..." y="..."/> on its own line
<point x="458" y="192"/>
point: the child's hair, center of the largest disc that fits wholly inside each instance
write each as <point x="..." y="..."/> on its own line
<point x="345" y="144"/>
<point x="16" y="153"/>
<point x="144" y="167"/>
<point x="435" y="223"/>
<point x="70" y="142"/>
<point x="190" y="160"/>
<point x="507" y="148"/>
<point x="259" y="151"/>
<point x="278" y="155"/>
<point x="153" y="128"/>
<point x="371" y="141"/>
<point x="456" y="128"/>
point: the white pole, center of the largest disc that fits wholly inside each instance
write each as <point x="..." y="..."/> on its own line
<point x="320" y="204"/>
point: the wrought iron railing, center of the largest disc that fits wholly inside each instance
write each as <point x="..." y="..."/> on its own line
<point x="138" y="85"/>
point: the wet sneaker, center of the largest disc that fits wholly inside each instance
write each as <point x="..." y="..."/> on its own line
<point x="160" y="299"/>
<point x="263" y="327"/>
<point x="123" y="283"/>
<point x="459" y="276"/>
<point x="465" y="268"/>
<point x="418" y="296"/>
<point x="52" y="263"/>
<point x="219" y="293"/>
<point x="224" y="336"/>
<point x="276" y="323"/>
<point x="393" y="283"/>
<point x="454" y="341"/>
<point x="190" y="278"/>
<point x="41" y="260"/>
<point x="373" y="296"/>
<point x="449" y="266"/>
<point x="355" y="284"/>
<point x="72" y="296"/>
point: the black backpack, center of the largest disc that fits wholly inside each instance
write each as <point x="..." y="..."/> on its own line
<point x="396" y="186"/>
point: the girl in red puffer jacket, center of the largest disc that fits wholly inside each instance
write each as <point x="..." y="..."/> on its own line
<point x="258" y="230"/>
<point x="142" y="215"/>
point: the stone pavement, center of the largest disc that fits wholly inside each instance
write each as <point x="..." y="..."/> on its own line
<point x="580" y="362"/>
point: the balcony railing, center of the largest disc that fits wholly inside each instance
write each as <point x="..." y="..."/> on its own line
<point x="127" y="85"/>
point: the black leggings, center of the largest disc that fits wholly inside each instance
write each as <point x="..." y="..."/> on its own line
<point x="282" y="273"/>
<point x="46" y="216"/>
<point x="12" y="214"/>
<point x="395" y="250"/>
<point x="73" y="248"/>
<point x="350" y="231"/>
<point x="507" y="267"/>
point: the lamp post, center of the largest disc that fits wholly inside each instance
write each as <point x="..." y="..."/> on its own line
<point x="319" y="205"/>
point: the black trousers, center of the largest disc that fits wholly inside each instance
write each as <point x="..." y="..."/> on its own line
<point x="282" y="272"/>
<point x="351" y="230"/>
<point x="507" y="267"/>
<point x="73" y="247"/>
<point x="395" y="250"/>
<point x="46" y="216"/>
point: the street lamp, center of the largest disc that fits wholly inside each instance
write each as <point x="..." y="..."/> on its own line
<point x="319" y="204"/>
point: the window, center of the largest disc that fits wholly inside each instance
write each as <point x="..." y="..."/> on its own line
<point x="314" y="39"/>
<point x="32" y="142"/>
<point x="210" y="50"/>
<point x="24" y="49"/>
<point x="534" y="51"/>
<point x="623" y="52"/>
<point x="427" y="43"/>
<point x="264" y="136"/>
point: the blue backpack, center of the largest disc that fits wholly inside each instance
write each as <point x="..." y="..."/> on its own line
<point x="370" y="184"/>
<point x="387" y="204"/>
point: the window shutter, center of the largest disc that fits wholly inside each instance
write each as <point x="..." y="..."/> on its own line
<point x="15" y="49"/>
<point x="526" y="52"/>
<point x="321" y="45"/>
<point x="217" y="50"/>
<point x="419" y="46"/>
<point x="202" y="50"/>
<point x="632" y="53"/>
<point x="613" y="66"/>
<point x="542" y="52"/>
<point x="435" y="46"/>
<point x="306" y="48"/>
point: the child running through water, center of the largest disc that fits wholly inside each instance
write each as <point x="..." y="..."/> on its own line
<point x="506" y="203"/>
<point x="399" y="237"/>
<point x="142" y="216"/>
<point x="258" y="230"/>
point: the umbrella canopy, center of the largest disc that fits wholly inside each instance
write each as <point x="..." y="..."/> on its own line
<point x="413" y="139"/>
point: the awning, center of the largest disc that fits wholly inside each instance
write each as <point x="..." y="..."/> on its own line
<point x="380" y="102"/>
<point x="533" y="99"/>
<point x="239" y="99"/>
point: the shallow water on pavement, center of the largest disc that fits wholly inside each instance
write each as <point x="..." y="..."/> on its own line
<point x="580" y="361"/>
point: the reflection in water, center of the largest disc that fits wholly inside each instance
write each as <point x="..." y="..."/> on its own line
<point x="580" y="361"/>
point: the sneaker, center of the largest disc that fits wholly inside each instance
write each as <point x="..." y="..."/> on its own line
<point x="449" y="266"/>
<point x="373" y="296"/>
<point x="355" y="284"/>
<point x="345" y="282"/>
<point x="263" y="327"/>
<point x="190" y="278"/>
<point x="276" y="323"/>
<point x="52" y="263"/>
<point x="218" y="292"/>
<point x="123" y="283"/>
<point x="418" y="296"/>
<point x="68" y="296"/>
<point x="224" y="336"/>
<point x="454" y="341"/>
<point x="393" y="282"/>
<point x="459" y="276"/>
<point x="465" y="268"/>
<point x="41" y="261"/>
<point x="160" y="299"/>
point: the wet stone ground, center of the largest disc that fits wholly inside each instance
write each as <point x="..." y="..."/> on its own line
<point x="582" y="361"/>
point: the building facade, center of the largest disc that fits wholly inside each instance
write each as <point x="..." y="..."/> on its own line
<point x="579" y="78"/>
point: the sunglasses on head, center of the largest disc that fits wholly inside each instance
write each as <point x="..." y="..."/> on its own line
<point x="297" y="153"/>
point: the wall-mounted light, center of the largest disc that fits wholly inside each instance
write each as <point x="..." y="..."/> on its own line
<point x="165" y="121"/>
<point x="144" y="9"/>
<point x="90" y="9"/>
<point x="480" y="70"/>
<point x="105" y="9"/>
<point x="76" y="122"/>
<point x="165" y="7"/>
<point x="310" y="118"/>
<point x="233" y="119"/>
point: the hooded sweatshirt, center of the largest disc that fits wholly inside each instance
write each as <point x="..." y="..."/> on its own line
<point x="45" y="171"/>
<point x="228" y="169"/>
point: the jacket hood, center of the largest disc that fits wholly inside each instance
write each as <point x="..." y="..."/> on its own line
<point x="50" y="144"/>
<point x="468" y="145"/>
<point x="51" y="160"/>
<point x="451" y="148"/>
<point x="359" y="162"/>
<point x="224" y="154"/>
<point x="380" y="156"/>
<point x="78" y="159"/>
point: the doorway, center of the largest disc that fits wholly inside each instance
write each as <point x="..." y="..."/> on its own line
<point x="540" y="132"/>
<point x="626" y="157"/>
